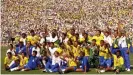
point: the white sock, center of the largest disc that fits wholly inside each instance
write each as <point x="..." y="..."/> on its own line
<point x="50" y="70"/>
<point x="22" y="70"/>
<point x="13" y="69"/>
<point x="44" y="62"/>
<point x="63" y="70"/>
<point x="128" y="69"/>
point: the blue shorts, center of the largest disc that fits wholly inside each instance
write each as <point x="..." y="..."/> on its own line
<point x="26" y="66"/>
<point x="108" y="62"/>
<point x="114" y="50"/>
<point x="63" y="67"/>
<point x="101" y="60"/>
<point x="13" y="65"/>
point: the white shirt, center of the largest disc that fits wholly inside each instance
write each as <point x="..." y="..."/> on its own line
<point x="52" y="50"/>
<point x="51" y="39"/>
<point x="12" y="51"/>
<point x="122" y="42"/>
<point x="108" y="39"/>
<point x="42" y="40"/>
<point x="56" y="60"/>
<point x="38" y="51"/>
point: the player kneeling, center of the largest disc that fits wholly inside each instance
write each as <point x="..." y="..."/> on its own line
<point x="118" y="62"/>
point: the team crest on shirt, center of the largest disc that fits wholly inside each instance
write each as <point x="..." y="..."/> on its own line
<point x="33" y="60"/>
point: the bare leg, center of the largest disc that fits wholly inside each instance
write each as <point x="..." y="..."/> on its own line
<point x="27" y="69"/>
<point x="79" y="70"/>
<point x="19" y="68"/>
<point x="108" y="69"/>
<point x="117" y="71"/>
<point x="69" y="69"/>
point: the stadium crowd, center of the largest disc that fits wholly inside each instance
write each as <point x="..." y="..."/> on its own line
<point x="70" y="51"/>
<point x="23" y="15"/>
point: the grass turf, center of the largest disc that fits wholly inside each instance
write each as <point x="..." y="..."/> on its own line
<point x="92" y="71"/>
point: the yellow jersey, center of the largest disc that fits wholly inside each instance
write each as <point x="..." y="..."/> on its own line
<point x="73" y="38"/>
<point x="86" y="51"/>
<point x="23" y="61"/>
<point x="68" y="47"/>
<point x="106" y="54"/>
<point x="76" y="51"/>
<point x="33" y="39"/>
<point x="118" y="61"/>
<point x="59" y="50"/>
<point x="101" y="49"/>
<point x="7" y="61"/>
<point x="90" y="38"/>
<point x="81" y="39"/>
<point x="72" y="62"/>
<point x="69" y="35"/>
<point x="98" y="39"/>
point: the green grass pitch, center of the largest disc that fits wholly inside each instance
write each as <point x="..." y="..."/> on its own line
<point x="92" y="71"/>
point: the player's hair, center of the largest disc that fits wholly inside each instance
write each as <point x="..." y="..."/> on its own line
<point x="107" y="45"/>
<point x="102" y="41"/>
<point x="83" y="53"/>
<point x="11" y="45"/>
<point x="56" y="52"/>
<point x="24" y="53"/>
<point x="99" y="31"/>
<point x="94" y="40"/>
<point x="35" y="52"/>
<point x="9" y="53"/>
<point x="118" y="51"/>
<point x="24" y="34"/>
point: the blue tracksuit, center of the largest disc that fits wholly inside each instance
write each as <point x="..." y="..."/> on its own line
<point x="107" y="62"/>
<point x="30" y="51"/>
<point x="101" y="60"/>
<point x="48" y="63"/>
<point x="63" y="64"/>
<point x="131" y="48"/>
<point x="32" y="63"/>
<point x="14" y="65"/>
<point x="84" y="62"/>
<point x="20" y="49"/>
<point x="125" y="56"/>
<point x="54" y="68"/>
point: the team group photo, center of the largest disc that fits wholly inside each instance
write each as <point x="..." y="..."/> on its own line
<point x="66" y="37"/>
